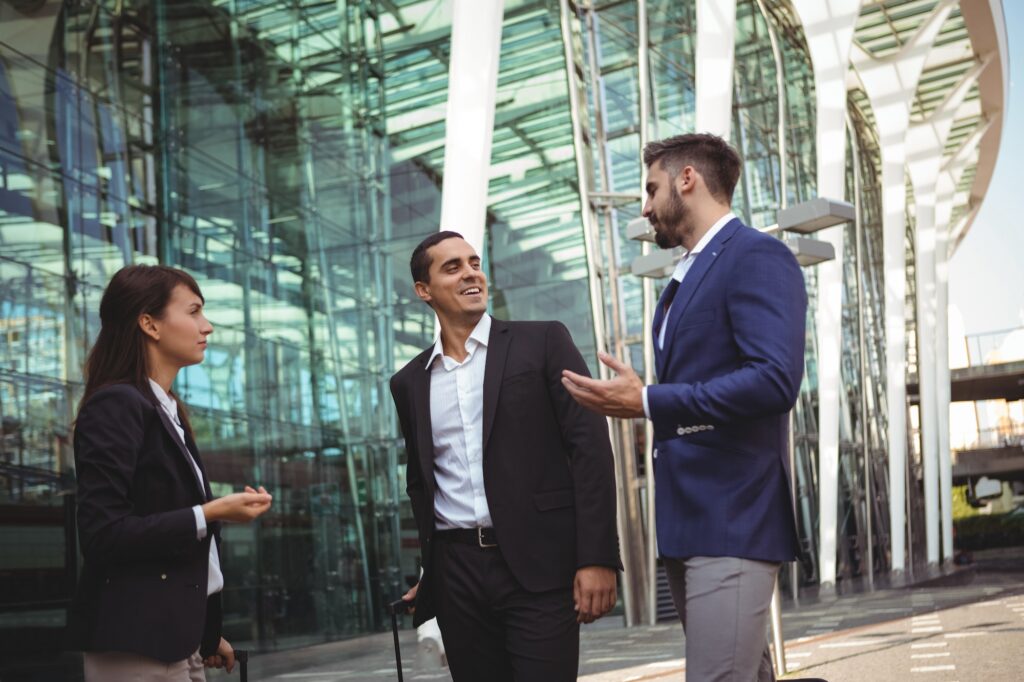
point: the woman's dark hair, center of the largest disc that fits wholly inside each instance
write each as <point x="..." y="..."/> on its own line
<point x="119" y="354"/>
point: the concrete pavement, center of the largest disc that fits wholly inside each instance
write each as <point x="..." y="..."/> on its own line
<point x="966" y="627"/>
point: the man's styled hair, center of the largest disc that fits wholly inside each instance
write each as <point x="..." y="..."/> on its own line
<point x="714" y="158"/>
<point x="419" y="264"/>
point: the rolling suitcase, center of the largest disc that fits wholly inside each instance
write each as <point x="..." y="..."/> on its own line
<point x="397" y="608"/>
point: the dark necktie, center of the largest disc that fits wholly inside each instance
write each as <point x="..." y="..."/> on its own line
<point x="670" y="293"/>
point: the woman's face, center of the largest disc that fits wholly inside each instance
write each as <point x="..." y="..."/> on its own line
<point x="181" y="331"/>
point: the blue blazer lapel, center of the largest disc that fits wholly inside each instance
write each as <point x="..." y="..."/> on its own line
<point x="705" y="259"/>
<point x="659" y="314"/>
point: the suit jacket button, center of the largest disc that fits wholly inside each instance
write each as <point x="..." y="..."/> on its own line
<point x="680" y="431"/>
<point x="163" y="576"/>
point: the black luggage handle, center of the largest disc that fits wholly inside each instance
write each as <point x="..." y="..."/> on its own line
<point x="400" y="607"/>
<point x="395" y="609"/>
<point x="242" y="658"/>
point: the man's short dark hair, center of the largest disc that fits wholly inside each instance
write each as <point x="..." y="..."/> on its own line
<point x="714" y="158"/>
<point x="419" y="264"/>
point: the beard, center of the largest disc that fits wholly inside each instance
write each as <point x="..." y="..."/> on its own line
<point x="672" y="222"/>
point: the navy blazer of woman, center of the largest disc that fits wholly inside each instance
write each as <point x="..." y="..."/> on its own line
<point x="144" y="578"/>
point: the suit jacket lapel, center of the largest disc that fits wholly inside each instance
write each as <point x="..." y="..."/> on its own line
<point x="181" y="447"/>
<point x="421" y="414"/>
<point x="705" y="259"/>
<point x="659" y="314"/>
<point x="497" y="352"/>
<point x="194" y="449"/>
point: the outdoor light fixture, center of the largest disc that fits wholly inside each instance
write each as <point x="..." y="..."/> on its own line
<point x="816" y="214"/>
<point x="640" y="229"/>
<point x="657" y="264"/>
<point x="809" y="251"/>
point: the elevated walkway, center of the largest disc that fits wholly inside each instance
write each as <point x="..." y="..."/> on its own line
<point x="982" y="382"/>
<point x="1005" y="463"/>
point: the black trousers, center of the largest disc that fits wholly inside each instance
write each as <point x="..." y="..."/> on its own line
<point x="493" y="629"/>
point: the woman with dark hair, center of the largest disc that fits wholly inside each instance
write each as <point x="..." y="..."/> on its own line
<point x="148" y="603"/>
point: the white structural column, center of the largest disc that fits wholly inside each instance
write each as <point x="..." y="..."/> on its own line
<point x="469" y="120"/>
<point x="925" y="144"/>
<point x="828" y="27"/>
<point x="946" y="184"/>
<point x="716" y="39"/>
<point x="890" y="83"/>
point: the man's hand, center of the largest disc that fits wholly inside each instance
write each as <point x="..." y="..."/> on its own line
<point x="411" y="596"/>
<point x="593" y="592"/>
<point x="618" y="397"/>
<point x="224" y="658"/>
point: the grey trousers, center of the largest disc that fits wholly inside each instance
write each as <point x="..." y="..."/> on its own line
<point x="116" y="666"/>
<point x="723" y="603"/>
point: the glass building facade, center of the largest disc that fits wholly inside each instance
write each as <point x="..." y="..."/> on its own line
<point x="289" y="155"/>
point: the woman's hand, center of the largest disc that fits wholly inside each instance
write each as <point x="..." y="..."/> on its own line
<point x="238" y="507"/>
<point x="224" y="658"/>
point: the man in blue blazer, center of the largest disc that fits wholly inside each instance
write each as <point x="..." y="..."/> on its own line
<point x="729" y="347"/>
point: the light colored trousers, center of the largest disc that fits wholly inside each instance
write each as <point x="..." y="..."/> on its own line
<point x="723" y="603"/>
<point x="116" y="666"/>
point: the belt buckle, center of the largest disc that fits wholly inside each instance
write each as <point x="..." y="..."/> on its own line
<point x="480" y="539"/>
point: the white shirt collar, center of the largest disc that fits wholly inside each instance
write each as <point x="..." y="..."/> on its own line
<point x="684" y="264"/>
<point x="165" y="400"/>
<point x="480" y="334"/>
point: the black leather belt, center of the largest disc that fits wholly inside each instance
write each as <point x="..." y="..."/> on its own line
<point x="481" y="537"/>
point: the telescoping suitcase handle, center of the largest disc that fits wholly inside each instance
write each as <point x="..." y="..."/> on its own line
<point x="396" y="609"/>
<point x="242" y="658"/>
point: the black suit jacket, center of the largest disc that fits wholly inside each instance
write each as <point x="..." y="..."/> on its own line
<point x="144" y="577"/>
<point x="548" y="470"/>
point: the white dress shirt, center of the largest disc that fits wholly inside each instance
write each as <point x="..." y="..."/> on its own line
<point x="215" y="582"/>
<point x="457" y="423"/>
<point x="682" y="267"/>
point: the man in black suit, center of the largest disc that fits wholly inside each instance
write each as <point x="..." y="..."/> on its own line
<point x="511" y="482"/>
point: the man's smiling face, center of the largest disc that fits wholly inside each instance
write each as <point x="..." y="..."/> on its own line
<point x="457" y="286"/>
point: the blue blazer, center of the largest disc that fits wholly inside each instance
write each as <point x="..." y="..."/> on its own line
<point x="728" y="374"/>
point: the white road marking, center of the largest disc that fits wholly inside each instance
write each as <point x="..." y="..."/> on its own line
<point x="798" y="654"/>
<point x="668" y="664"/>
<point x="936" y="628"/>
<point x="932" y="668"/>
<point x="929" y="645"/>
<point x="935" y="655"/>
<point x="843" y="645"/>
